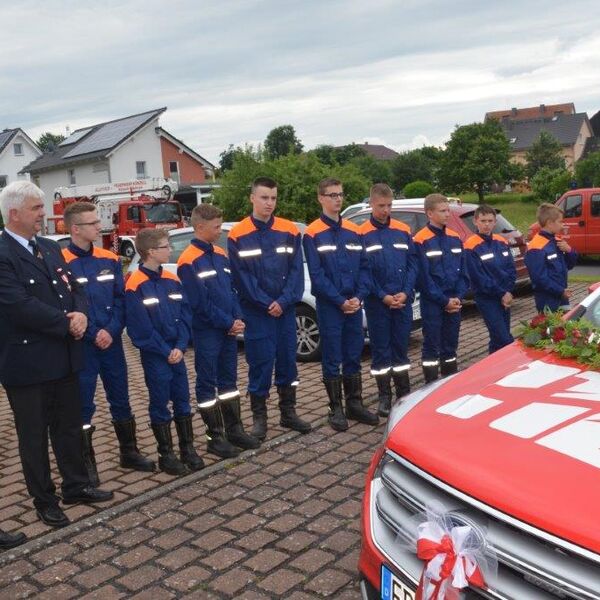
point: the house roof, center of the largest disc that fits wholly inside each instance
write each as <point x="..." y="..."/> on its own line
<point x="377" y="151"/>
<point x="205" y="163"/>
<point x="532" y="112"/>
<point x="5" y="137"/>
<point x="595" y="121"/>
<point x="92" y="143"/>
<point x="565" y="128"/>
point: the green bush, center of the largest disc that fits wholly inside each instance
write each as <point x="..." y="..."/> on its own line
<point x="549" y="183"/>
<point x="417" y="189"/>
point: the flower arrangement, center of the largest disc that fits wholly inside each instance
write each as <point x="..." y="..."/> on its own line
<point x="577" y="339"/>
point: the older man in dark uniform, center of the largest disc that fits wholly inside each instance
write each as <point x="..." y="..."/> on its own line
<point x="42" y="320"/>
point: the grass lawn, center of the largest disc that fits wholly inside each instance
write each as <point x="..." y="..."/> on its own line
<point x="520" y="215"/>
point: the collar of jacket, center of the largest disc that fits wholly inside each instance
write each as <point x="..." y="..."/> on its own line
<point x="204" y="246"/>
<point x="330" y="222"/>
<point x="77" y="251"/>
<point x="379" y="224"/>
<point x="547" y="235"/>
<point x="153" y="275"/>
<point x="262" y="225"/>
<point x="437" y="230"/>
<point x="486" y="238"/>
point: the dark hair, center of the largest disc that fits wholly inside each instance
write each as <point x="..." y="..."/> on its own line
<point x="326" y="183"/>
<point x="263" y="182"/>
<point x="484" y="209"/>
<point x="205" y="212"/>
<point x="147" y="239"/>
<point x="76" y="208"/>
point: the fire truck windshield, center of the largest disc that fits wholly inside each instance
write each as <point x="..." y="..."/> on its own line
<point x="164" y="212"/>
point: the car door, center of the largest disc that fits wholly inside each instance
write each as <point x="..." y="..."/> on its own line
<point x="574" y="221"/>
<point x="593" y="225"/>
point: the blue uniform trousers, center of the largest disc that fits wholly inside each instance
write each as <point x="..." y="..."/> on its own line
<point x="165" y="382"/>
<point x="342" y="340"/>
<point x="111" y="366"/>
<point x="269" y="342"/>
<point x="497" y="320"/>
<point x="215" y="363"/>
<point x="389" y="331"/>
<point x="440" y="332"/>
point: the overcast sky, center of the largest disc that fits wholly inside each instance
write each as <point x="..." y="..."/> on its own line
<point x="398" y="72"/>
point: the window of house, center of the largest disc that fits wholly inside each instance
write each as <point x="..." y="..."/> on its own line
<point x="71" y="177"/>
<point x="140" y="169"/>
<point x="18" y="149"/>
<point x="174" y="170"/>
<point x="3" y="181"/>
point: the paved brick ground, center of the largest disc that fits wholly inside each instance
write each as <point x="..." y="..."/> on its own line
<point x="279" y="522"/>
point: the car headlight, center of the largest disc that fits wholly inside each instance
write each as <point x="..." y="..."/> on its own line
<point x="408" y="402"/>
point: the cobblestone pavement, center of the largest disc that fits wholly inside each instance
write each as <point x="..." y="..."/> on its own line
<point x="282" y="521"/>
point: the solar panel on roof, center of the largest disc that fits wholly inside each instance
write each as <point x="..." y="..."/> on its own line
<point x="4" y="137"/>
<point x="75" y="136"/>
<point x="108" y="135"/>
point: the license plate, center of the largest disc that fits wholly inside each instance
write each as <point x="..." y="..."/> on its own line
<point x="393" y="588"/>
<point x="515" y="251"/>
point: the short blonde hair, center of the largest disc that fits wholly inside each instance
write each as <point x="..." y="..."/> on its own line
<point x="148" y="239"/>
<point x="432" y="201"/>
<point x="548" y="212"/>
<point x="381" y="190"/>
<point x="205" y="212"/>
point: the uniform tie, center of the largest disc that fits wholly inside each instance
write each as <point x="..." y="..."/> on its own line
<point x="35" y="249"/>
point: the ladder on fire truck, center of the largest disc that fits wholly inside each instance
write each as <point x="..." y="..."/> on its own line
<point x="157" y="187"/>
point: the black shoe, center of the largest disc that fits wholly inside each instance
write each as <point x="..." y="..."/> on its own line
<point x="53" y="516"/>
<point x="216" y="442"/>
<point x="384" y="389"/>
<point x="167" y="461"/>
<point x="258" y="404"/>
<point x="130" y="457"/>
<point x="188" y="454"/>
<point x="431" y="369"/>
<point x="337" y="419"/>
<point x="89" y="457"/>
<point x="401" y="383"/>
<point x="354" y="401"/>
<point x="448" y="366"/>
<point x="287" y="407"/>
<point x="234" y="429"/>
<point x="11" y="540"/>
<point x="89" y="495"/>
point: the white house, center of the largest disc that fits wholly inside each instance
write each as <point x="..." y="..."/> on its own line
<point x="16" y="150"/>
<point x="125" y="149"/>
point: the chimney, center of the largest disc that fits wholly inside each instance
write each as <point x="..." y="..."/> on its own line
<point x="542" y="108"/>
<point x="68" y="130"/>
<point x="513" y="111"/>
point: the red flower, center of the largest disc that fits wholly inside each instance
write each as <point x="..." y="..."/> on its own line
<point x="559" y="334"/>
<point x="538" y="320"/>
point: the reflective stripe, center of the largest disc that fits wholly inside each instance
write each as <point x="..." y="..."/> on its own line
<point x="326" y="248"/>
<point x="226" y="270"/>
<point x="430" y="363"/>
<point x="150" y="301"/>
<point x="374" y="247"/>
<point x="207" y="404"/>
<point x="487" y="256"/>
<point x="246" y="253"/>
<point x="456" y="250"/>
<point x="505" y="253"/>
<point x="353" y="247"/>
<point x="552" y="256"/>
<point x="284" y="249"/>
<point x="401" y="246"/>
<point x="384" y="371"/>
<point x="434" y="253"/>
<point x="295" y="383"/>
<point x="229" y="395"/>
<point x="203" y="274"/>
<point x="447" y="360"/>
<point x="79" y="280"/>
<point x="176" y="296"/>
<point x="401" y="368"/>
<point x="105" y="277"/>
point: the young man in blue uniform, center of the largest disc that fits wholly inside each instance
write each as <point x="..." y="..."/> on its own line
<point x="549" y="259"/>
<point x="492" y="273"/>
<point x="266" y="264"/>
<point x="216" y="321"/>
<point x="158" y="322"/>
<point x="393" y="262"/>
<point x="442" y="282"/>
<point x="100" y="273"/>
<point x="340" y="281"/>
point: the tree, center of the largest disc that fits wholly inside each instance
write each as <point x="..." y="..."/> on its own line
<point x="342" y="155"/>
<point x="47" y="142"/>
<point x="476" y="156"/>
<point x="282" y="141"/>
<point x="418" y="189"/>
<point x="546" y="151"/>
<point x="420" y="164"/>
<point x="377" y="171"/>
<point x="548" y="184"/>
<point x="587" y="171"/>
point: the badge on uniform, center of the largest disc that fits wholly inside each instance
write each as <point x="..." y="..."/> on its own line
<point x="64" y="277"/>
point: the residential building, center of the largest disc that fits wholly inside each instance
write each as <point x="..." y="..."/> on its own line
<point x="532" y="112"/>
<point x="17" y="149"/>
<point x="377" y="151"/>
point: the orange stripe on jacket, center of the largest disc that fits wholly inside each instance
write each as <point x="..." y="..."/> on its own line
<point x="472" y="242"/>
<point x="189" y="255"/>
<point x="68" y="255"/>
<point x="538" y="242"/>
<point x="136" y="279"/>
<point x="500" y="238"/>
<point x="102" y="253"/>
<point x="284" y="225"/>
<point x="168" y="275"/>
<point x="244" y="227"/>
<point x="317" y="226"/>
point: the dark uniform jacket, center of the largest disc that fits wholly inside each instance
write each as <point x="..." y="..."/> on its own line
<point x="35" y="296"/>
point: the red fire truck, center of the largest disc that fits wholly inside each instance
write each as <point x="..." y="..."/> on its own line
<point x="123" y="209"/>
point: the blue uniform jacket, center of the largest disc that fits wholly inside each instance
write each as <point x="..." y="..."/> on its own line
<point x="100" y="273"/>
<point x="206" y="277"/>
<point x="392" y="257"/>
<point x="443" y="267"/>
<point x="336" y="260"/>
<point x="491" y="265"/>
<point x="266" y="263"/>
<point x="548" y="266"/>
<point x="157" y="314"/>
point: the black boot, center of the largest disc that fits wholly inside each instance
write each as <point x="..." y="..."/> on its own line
<point x="354" y="401"/>
<point x="259" y="417"/>
<point x="89" y="457"/>
<point x="185" y="433"/>
<point x="401" y="383"/>
<point x="234" y="429"/>
<point x="130" y="457"/>
<point x="448" y="366"/>
<point x="167" y="461"/>
<point x="431" y="370"/>
<point x="287" y="406"/>
<point x="384" y="388"/>
<point x="11" y="540"/>
<point x="337" y="418"/>
<point x="216" y="442"/>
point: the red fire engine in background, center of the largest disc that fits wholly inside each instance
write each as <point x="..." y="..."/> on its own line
<point x="123" y="209"/>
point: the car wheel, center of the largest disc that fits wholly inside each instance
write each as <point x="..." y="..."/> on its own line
<point x="308" y="337"/>
<point x="127" y="250"/>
